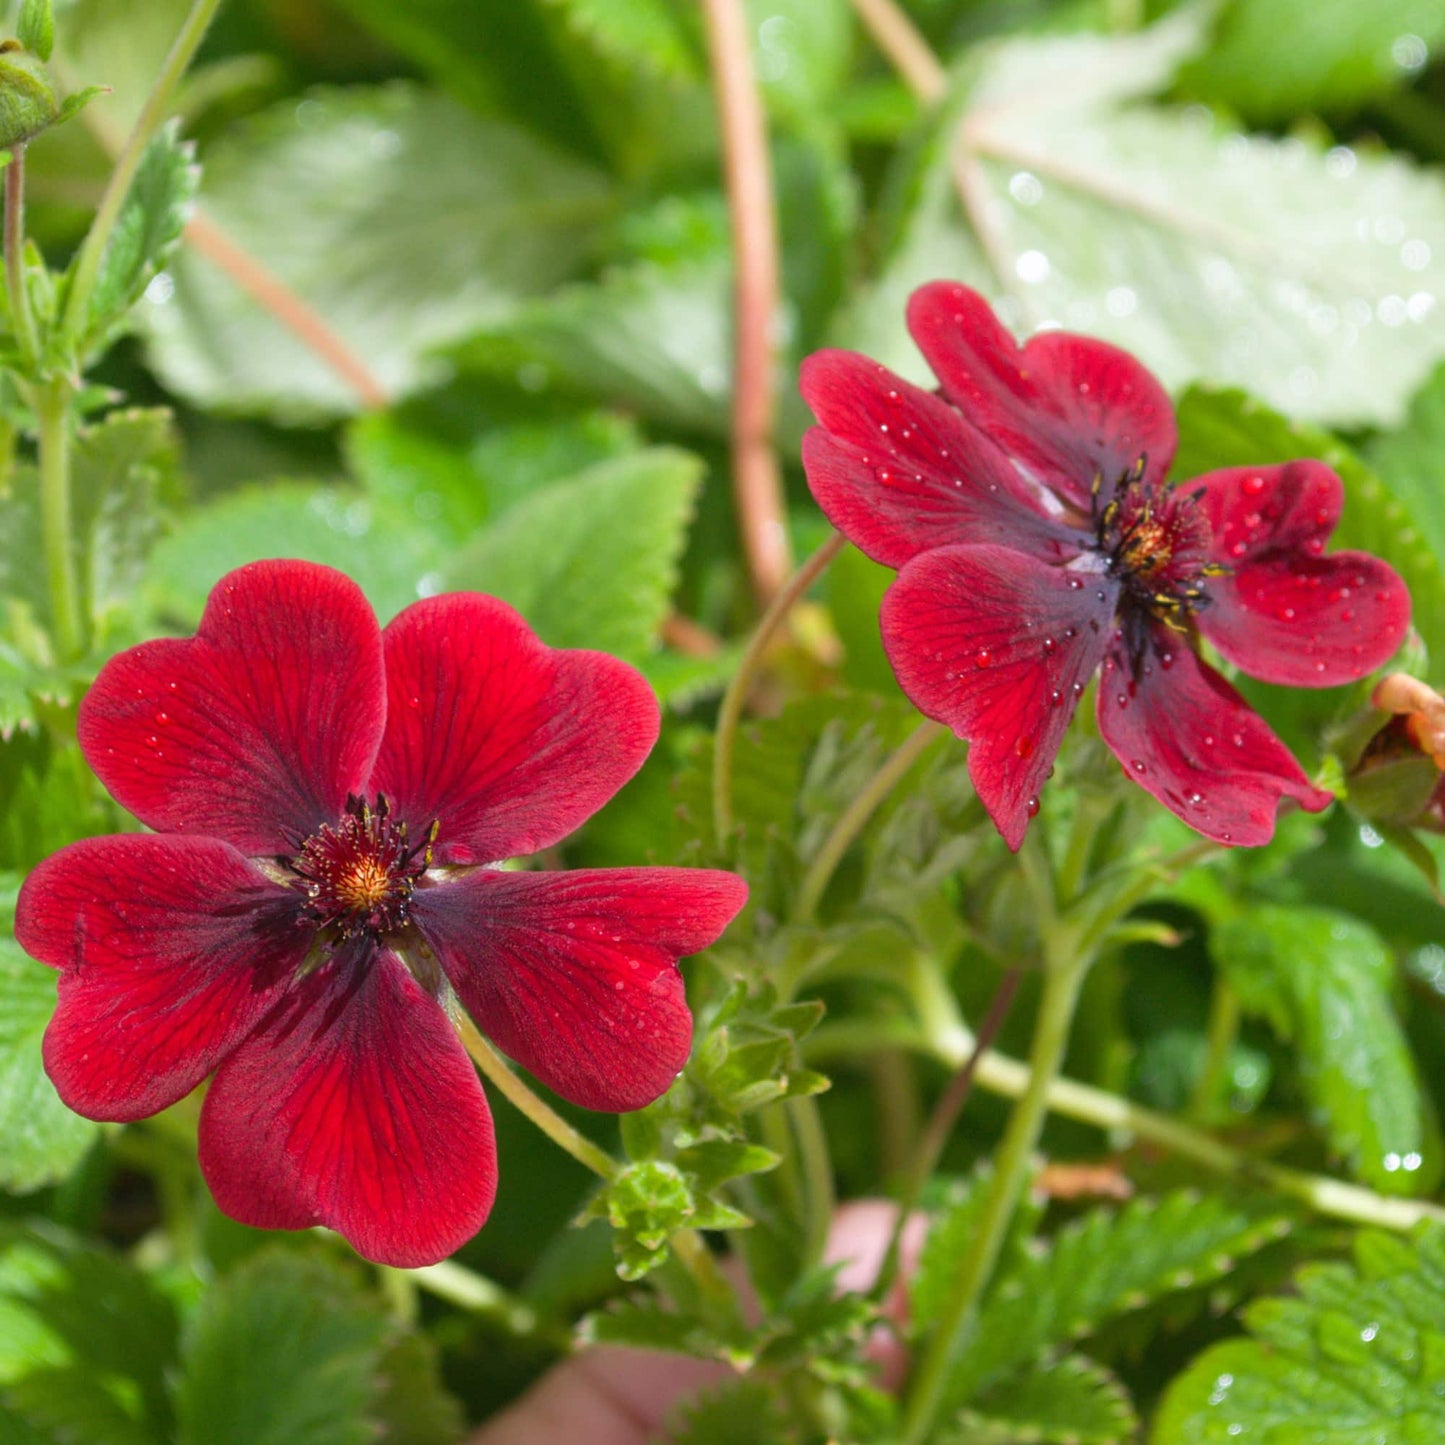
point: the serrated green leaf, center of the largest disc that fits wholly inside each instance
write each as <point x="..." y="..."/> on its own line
<point x="591" y="562"/>
<point x="409" y="223"/>
<point x="390" y="558"/>
<point x="1359" y="1355"/>
<point x="286" y="1350"/>
<point x="1323" y="980"/>
<point x="715" y="1161"/>
<point x="1232" y="258"/>
<point x="745" y="1410"/>
<point x="1070" y="1401"/>
<point x="1339" y="54"/>
<point x="155" y="212"/>
<point x="644" y="1324"/>
<point x="41" y="1141"/>
<point x="412" y="1406"/>
<point x="1228" y="428"/>
<point x="1105" y="1264"/>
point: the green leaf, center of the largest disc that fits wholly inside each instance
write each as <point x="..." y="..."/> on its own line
<point x="1323" y="981"/>
<point x="155" y="212"/>
<point x="1411" y="461"/>
<point x="1357" y="1355"/>
<point x="409" y="223"/>
<point x="638" y="34"/>
<point x="1228" y="428"/>
<point x="1238" y="259"/>
<point x="715" y="1161"/>
<point x="592" y="562"/>
<point x="392" y="558"/>
<point x="36" y="27"/>
<point x="644" y="1324"/>
<point x="1339" y="54"/>
<point x="645" y="1203"/>
<point x="1105" y="1264"/>
<point x="1070" y="1401"/>
<point x="41" y="1141"/>
<point x="286" y="1350"/>
<point x="745" y="1410"/>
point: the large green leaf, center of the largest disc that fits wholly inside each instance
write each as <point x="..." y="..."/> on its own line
<point x="409" y="222"/>
<point x="1306" y="275"/>
<point x="591" y="562"/>
<point x="1323" y="980"/>
<point x="1338" y="55"/>
<point x="1411" y="461"/>
<point x="1357" y="1355"/>
<point x="40" y="1139"/>
<point x="1070" y="1401"/>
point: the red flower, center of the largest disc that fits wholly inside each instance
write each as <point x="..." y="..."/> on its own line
<point x="315" y="901"/>
<point x="1026" y="508"/>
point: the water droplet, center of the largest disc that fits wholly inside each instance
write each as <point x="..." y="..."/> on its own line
<point x="1122" y="699"/>
<point x="1070" y="633"/>
<point x="1196" y="800"/>
<point x="1076" y="583"/>
<point x="1252" y="486"/>
<point x="1032" y="807"/>
<point x="162" y="718"/>
<point x="1137" y="765"/>
<point x="983" y="658"/>
<point x="1024" y="747"/>
<point x="1166" y="660"/>
<point x="1055" y="698"/>
<point x="1050" y="647"/>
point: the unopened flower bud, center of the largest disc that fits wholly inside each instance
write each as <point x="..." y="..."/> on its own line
<point x="1399" y="774"/>
<point x="27" y="95"/>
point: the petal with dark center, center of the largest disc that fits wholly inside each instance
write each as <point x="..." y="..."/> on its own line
<point x="1186" y="736"/>
<point x="257" y="728"/>
<point x="574" y="975"/>
<point x="1068" y="407"/>
<point x="897" y="472"/>
<point x="506" y="743"/>
<point x="999" y="646"/>
<point x="1282" y="611"/>
<point x="354" y="1105"/>
<point x="170" y="950"/>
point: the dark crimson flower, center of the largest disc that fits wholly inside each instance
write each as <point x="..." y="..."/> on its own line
<point x="316" y="900"/>
<point x="1026" y="508"/>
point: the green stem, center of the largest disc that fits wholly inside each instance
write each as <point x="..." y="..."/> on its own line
<point x="547" y="1119"/>
<point x="51" y="401"/>
<point x="730" y="713"/>
<point x="20" y="317"/>
<point x="1063" y="979"/>
<point x="940" y="1126"/>
<point x="468" y="1290"/>
<point x="1223" y="1030"/>
<point x="157" y="106"/>
<point x="855" y="816"/>
<point x="818" y="1193"/>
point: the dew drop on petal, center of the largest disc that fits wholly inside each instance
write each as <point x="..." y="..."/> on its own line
<point x="1032" y="807"/>
<point x="1137" y="765"/>
<point x="1024" y="747"/>
<point x="1252" y="486"/>
<point x="1050" y="646"/>
<point x="983" y="658"/>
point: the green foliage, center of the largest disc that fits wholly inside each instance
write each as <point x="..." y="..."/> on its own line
<point x="591" y="562"/>
<point x="1357" y="1354"/>
<point x="1323" y="980"/>
<point x="36" y="27"/>
<point x="1295" y="305"/>
<point x="1102" y="1265"/>
<point x="1068" y="1401"/>
<point x="747" y="1410"/>
<point x="287" y="1350"/>
<point x="1270" y="58"/>
<point x="449" y="221"/>
<point x="1411" y="462"/>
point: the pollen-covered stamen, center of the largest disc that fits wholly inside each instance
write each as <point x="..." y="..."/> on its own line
<point x="358" y="875"/>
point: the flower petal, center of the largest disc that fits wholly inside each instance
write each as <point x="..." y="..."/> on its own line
<point x="170" y="950"/>
<point x="575" y="974"/>
<point x="1187" y="737"/>
<point x="999" y="646"/>
<point x="1068" y="407"/>
<point x="898" y="472"/>
<point x="256" y="729"/>
<point x="1283" y="612"/>
<point x="507" y="743"/>
<point x="354" y="1105"/>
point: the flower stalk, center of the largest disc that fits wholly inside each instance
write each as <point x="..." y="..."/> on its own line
<point x="51" y="401"/>
<point x="20" y="316"/>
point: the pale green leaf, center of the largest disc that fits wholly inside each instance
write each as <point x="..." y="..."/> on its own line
<point x="1357" y="1355"/>
<point x="1308" y="276"/>
<point x="1323" y="980"/>
<point x="591" y="562"/>
<point x="409" y="223"/>
<point x="1411" y="462"/>
<point x="36" y="27"/>
<point x="637" y="34"/>
<point x="1270" y="59"/>
<point x="1070" y="1401"/>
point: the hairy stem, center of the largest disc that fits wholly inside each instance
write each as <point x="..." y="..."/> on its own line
<point x="51" y="400"/>
<point x="1223" y="1030"/>
<point x="730" y="713"/>
<point x="1062" y="981"/>
<point x="757" y="482"/>
<point x="905" y="48"/>
<point x="20" y="316"/>
<point x="157" y="105"/>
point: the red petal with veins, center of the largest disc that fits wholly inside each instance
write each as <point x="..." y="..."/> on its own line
<point x="575" y="974"/>
<point x="170" y="950"/>
<point x="354" y="1105"/>
<point x="999" y="646"/>
<point x="257" y="728"/>
<point x="898" y="472"/>
<point x="509" y="744"/>
<point x="1066" y="406"/>
<point x="1284" y="612"/>
<point x="1184" y="735"/>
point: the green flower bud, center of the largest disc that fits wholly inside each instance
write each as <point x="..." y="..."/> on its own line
<point x="27" y="97"/>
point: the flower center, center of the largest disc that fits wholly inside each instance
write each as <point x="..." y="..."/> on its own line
<point x="1156" y="542"/>
<point x="358" y="875"/>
